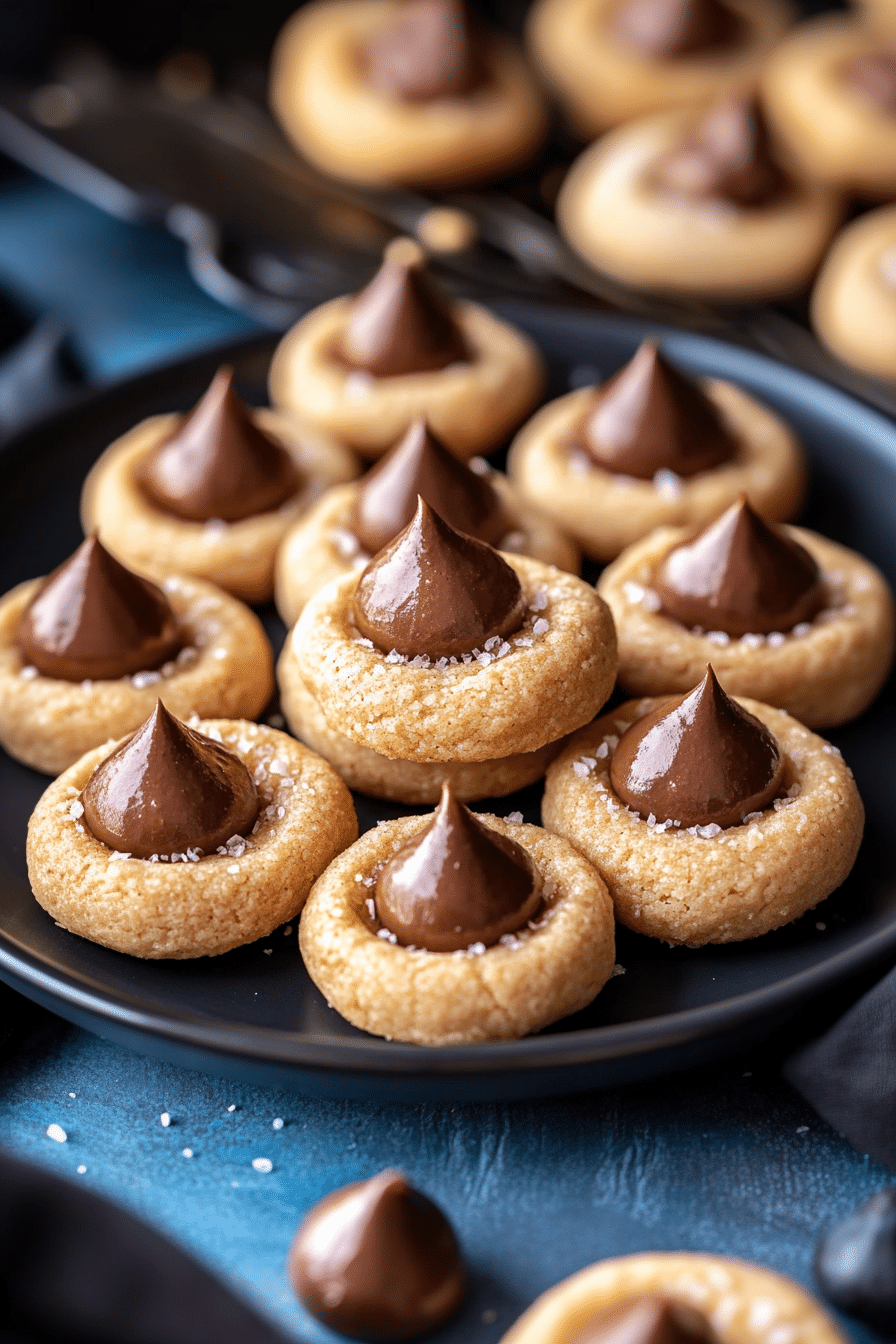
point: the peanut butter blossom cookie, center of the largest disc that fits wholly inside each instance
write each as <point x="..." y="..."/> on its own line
<point x="459" y="928"/>
<point x="379" y="91"/>
<point x="649" y="447"/>
<point x="854" y="300"/>
<point x="697" y="202"/>
<point x="711" y="819"/>
<point x="377" y="1260"/>
<point x="186" y="842"/>
<point x="213" y="493"/>
<point x="612" y="60"/>
<point x="365" y="367"/>
<point x="352" y="522"/>
<point x="786" y="616"/>
<point x="445" y="660"/>
<point x="663" y="1298"/>
<point x="85" y="654"/>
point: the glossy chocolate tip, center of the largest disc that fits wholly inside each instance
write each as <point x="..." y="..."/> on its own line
<point x="741" y="575"/>
<point x="429" y="52"/>
<point x="647" y="1320"/>
<point x="169" y="790"/>
<point x="457" y="883"/>
<point x="651" y="417"/>
<point x="670" y="29"/>
<point x="95" y="620"/>
<point x="378" y="1260"/>
<point x="218" y="463"/>
<point x="873" y="76"/>
<point x="728" y="156"/>
<point x="420" y="464"/>
<point x="436" y="592"/>
<point x="701" y="760"/>
<point x="402" y="323"/>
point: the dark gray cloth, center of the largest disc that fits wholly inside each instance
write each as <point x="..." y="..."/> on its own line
<point x="849" y="1073"/>
<point x="75" y="1269"/>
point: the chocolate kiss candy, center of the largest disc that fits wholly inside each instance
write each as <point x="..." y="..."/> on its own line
<point x="428" y="53"/>
<point x="401" y="323"/>
<point x="168" y="789"/>
<point x="670" y="28"/>
<point x="377" y="1260"/>
<point x="456" y="883"/>
<point x="647" y="1320"/>
<point x="437" y="592"/>
<point x="855" y="1263"/>
<point x="650" y="417"/>
<point x="740" y="575"/>
<point x="727" y="157"/>
<point x="95" y="620"/>
<point x="699" y="760"/>
<point x="874" y="76"/>
<point x="420" y="465"/>
<point x="218" y="464"/>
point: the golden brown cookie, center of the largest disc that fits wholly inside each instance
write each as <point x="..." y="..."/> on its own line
<point x="838" y="133"/>
<point x="602" y="81"/>
<point x="524" y="692"/>
<point x="194" y="908"/>
<point x="492" y="993"/>
<point x="473" y="405"/>
<point x="403" y="781"/>
<point x="706" y="884"/>
<point x="322" y="546"/>
<point x="238" y="556"/>
<point x="823" y="672"/>
<point x="605" y="513"/>
<point x="356" y="131"/>
<point x="225" y="667"/>
<point x="619" y="220"/>
<point x="744" y="1303"/>
<point x="854" y="300"/>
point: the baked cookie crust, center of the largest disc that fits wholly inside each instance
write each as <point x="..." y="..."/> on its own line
<point x="401" y="781"/>
<point x="529" y="690"/>
<point x="226" y="667"/>
<point x="706" y="885"/>
<point x="197" y="908"/>
<point x="321" y="546"/>
<point x="521" y="984"/>
<point x="835" y="134"/>
<point x="237" y="556"/>
<point x="823" y="673"/>
<point x="605" y="513"/>
<point x="349" y="128"/>
<point x="854" y="300"/>
<point x="619" y="222"/>
<point x="745" y="1304"/>
<point x="471" y="405"/>
<point x="601" y="82"/>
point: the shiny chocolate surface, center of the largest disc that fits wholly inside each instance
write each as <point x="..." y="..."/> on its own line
<point x="218" y="463"/>
<point x="457" y="883"/>
<point x="429" y="52"/>
<point x="420" y="464"/>
<point x="873" y="76"/>
<point x="377" y="1260"/>
<point x="726" y="157"/>
<point x="401" y="322"/>
<point x="741" y="575"/>
<point x="436" y="592"/>
<point x="95" y="620"/>
<point x="647" y="1320"/>
<point x="650" y="417"/>
<point x="697" y="761"/>
<point x="670" y="29"/>
<point x="167" y="790"/>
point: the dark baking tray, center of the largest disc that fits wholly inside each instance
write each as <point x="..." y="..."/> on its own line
<point x="255" y="1015"/>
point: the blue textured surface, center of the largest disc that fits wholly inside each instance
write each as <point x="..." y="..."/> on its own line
<point x="728" y="1161"/>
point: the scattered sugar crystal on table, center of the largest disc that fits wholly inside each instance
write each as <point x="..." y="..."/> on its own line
<point x="262" y="1164"/>
<point x="164" y="1119"/>
<point x="188" y="1152"/>
<point x="56" y="1133"/>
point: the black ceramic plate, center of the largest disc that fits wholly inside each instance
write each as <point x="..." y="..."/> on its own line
<point x="254" y="1013"/>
